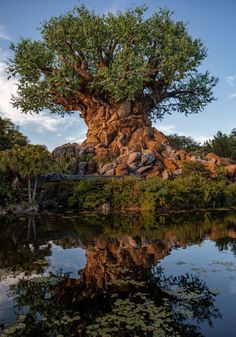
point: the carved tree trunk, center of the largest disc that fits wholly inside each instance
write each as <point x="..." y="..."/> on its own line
<point x="121" y="128"/>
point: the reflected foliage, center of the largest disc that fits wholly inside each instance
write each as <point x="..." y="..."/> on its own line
<point x="157" y="306"/>
<point x="118" y="292"/>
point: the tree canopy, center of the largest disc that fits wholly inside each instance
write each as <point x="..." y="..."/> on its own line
<point x="222" y="144"/>
<point x="27" y="162"/>
<point x="84" y="57"/>
<point x="10" y="135"/>
<point x="184" y="142"/>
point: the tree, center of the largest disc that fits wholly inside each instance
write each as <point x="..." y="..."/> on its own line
<point x="27" y="162"/>
<point x="184" y="142"/>
<point x="120" y="71"/>
<point x="222" y="144"/>
<point x="10" y="135"/>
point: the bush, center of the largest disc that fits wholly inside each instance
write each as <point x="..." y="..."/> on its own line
<point x="56" y="194"/>
<point x="89" y="194"/>
<point x="195" y="190"/>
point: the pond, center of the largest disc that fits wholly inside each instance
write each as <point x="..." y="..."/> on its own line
<point x="128" y="275"/>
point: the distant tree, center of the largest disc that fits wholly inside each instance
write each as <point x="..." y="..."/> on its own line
<point x="27" y="162"/>
<point x="184" y="142"/>
<point x="10" y="135"/>
<point x="119" y="70"/>
<point x="222" y="144"/>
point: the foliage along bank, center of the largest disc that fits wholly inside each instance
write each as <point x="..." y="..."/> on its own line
<point x="193" y="189"/>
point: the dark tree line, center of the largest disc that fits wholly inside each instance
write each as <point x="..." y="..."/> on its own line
<point x="221" y="144"/>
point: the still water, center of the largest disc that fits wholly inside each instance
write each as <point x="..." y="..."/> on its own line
<point x="119" y="275"/>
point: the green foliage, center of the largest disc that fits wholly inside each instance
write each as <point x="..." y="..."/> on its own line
<point x="112" y="58"/>
<point x="26" y="162"/>
<point x="66" y="163"/>
<point x="89" y="194"/>
<point x="55" y="319"/>
<point x="6" y="190"/>
<point x="10" y="135"/>
<point x="56" y="194"/>
<point x="157" y="308"/>
<point x="184" y="142"/>
<point x="193" y="189"/>
<point x="105" y="159"/>
<point x="223" y="145"/>
<point x="124" y="193"/>
<point x="194" y="168"/>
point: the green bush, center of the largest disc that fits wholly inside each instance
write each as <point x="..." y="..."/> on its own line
<point x="56" y="194"/>
<point x="195" y="190"/>
<point x="124" y="193"/>
<point x="89" y="194"/>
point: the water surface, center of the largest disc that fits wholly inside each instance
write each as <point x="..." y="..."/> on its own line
<point x="118" y="275"/>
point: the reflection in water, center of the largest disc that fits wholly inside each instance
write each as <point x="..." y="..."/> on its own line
<point x="122" y="290"/>
<point x="127" y="307"/>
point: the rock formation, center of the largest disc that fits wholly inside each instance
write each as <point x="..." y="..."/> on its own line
<point x="147" y="153"/>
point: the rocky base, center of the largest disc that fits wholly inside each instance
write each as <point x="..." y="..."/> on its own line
<point x="155" y="157"/>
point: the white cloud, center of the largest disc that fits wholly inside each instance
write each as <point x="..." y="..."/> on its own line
<point x="232" y="95"/>
<point x="3" y="34"/>
<point x="42" y="122"/>
<point x="166" y="128"/>
<point x="231" y="80"/>
<point x="201" y="138"/>
<point x="76" y="139"/>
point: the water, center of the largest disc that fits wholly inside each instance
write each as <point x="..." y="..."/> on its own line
<point x="120" y="275"/>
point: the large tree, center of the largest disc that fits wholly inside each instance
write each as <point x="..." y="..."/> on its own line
<point x="27" y="162"/>
<point x="10" y="135"/>
<point x="120" y="71"/>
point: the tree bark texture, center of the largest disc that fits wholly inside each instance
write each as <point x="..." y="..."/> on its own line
<point x="122" y="128"/>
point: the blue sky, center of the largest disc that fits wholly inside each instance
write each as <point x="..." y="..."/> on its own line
<point x="212" y="20"/>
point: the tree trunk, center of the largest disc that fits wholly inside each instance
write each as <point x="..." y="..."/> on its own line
<point x="35" y="188"/>
<point x="29" y="191"/>
<point x="122" y="128"/>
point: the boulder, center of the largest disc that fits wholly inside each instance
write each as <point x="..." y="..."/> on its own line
<point x="147" y="158"/>
<point x="91" y="167"/>
<point x="231" y="171"/>
<point x="134" y="166"/>
<point x="106" y="167"/>
<point x="134" y="157"/>
<point x="155" y="171"/>
<point x="214" y="158"/>
<point x="143" y="169"/>
<point x="68" y="148"/>
<point x="121" y="170"/>
<point x="170" y="165"/>
<point x="110" y="172"/>
<point x="166" y="175"/>
<point x="82" y="168"/>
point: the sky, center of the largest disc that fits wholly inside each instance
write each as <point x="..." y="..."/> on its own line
<point x="211" y="20"/>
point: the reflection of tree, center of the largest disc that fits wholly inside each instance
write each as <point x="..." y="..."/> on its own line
<point x="120" y="255"/>
<point x="20" y="250"/>
<point x="227" y="244"/>
<point x="158" y="306"/>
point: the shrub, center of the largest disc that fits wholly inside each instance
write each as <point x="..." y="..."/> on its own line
<point x="56" y="194"/>
<point x="89" y="194"/>
<point x="124" y="193"/>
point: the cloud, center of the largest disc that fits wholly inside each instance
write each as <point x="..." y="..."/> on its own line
<point x="232" y="95"/>
<point x="3" y="34"/>
<point x="43" y="122"/>
<point x="201" y="138"/>
<point x="166" y="128"/>
<point x="231" y="80"/>
<point x="76" y="139"/>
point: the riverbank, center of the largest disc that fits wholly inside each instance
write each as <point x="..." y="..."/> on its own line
<point x="187" y="193"/>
